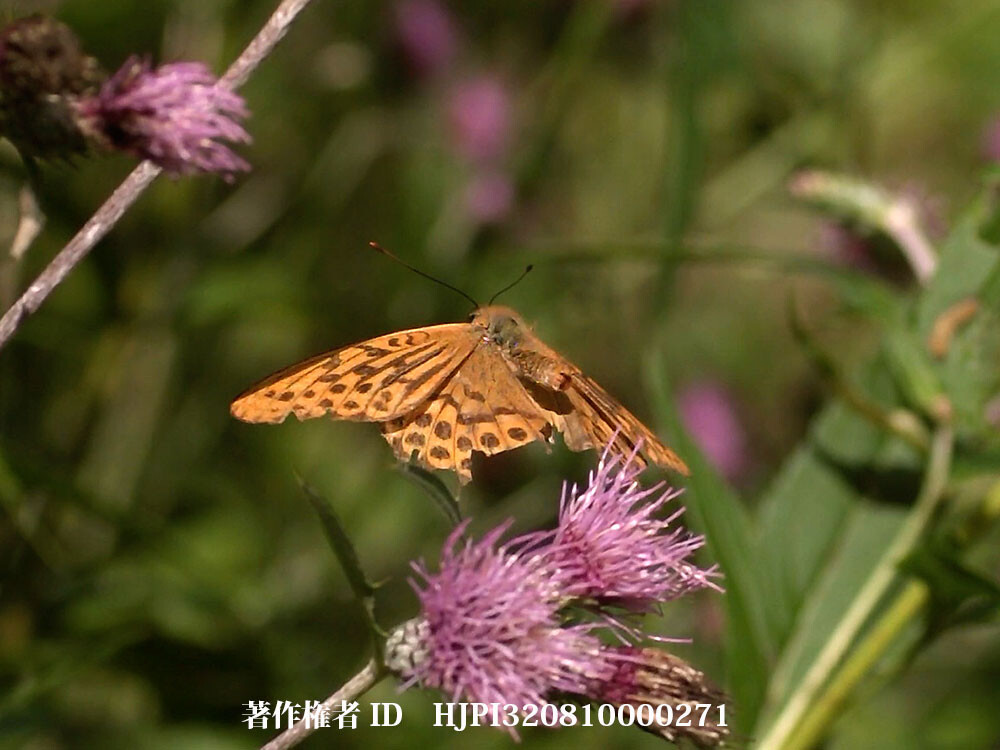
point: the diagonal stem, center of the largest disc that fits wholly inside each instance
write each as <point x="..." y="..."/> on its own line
<point x="783" y="731"/>
<point x="357" y="685"/>
<point x="105" y="218"/>
<point x="912" y="599"/>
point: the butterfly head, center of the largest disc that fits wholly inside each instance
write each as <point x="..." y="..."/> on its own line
<point x="501" y="325"/>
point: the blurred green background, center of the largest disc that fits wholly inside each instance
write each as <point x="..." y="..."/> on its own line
<point x="159" y="565"/>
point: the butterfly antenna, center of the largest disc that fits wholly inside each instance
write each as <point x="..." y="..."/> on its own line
<point x="511" y="285"/>
<point x="377" y="247"/>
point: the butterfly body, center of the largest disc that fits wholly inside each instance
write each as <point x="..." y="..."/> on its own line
<point x="525" y="354"/>
<point x="443" y="391"/>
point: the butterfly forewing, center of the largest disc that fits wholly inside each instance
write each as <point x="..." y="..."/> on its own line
<point x="602" y="419"/>
<point x="445" y="391"/>
<point x="375" y="380"/>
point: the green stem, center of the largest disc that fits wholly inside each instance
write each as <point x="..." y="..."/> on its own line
<point x="900" y="422"/>
<point x="784" y="732"/>
<point x="907" y="604"/>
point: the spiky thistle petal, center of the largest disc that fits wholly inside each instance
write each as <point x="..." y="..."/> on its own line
<point x="174" y="115"/>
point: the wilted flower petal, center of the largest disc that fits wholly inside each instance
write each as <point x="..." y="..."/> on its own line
<point x="42" y="69"/>
<point x="670" y="686"/>
<point x="174" y="116"/>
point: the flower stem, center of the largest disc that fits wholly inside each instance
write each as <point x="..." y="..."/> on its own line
<point x="907" y="604"/>
<point x="105" y="218"/>
<point x="787" y="730"/>
<point x="361" y="683"/>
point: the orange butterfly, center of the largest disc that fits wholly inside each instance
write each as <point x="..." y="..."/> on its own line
<point x="441" y="392"/>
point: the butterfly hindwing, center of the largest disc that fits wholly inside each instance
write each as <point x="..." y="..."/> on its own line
<point x="480" y="407"/>
<point x="374" y="380"/>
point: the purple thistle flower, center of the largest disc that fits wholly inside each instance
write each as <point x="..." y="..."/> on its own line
<point x="426" y="35"/>
<point x="490" y="631"/>
<point x="479" y="111"/>
<point x="709" y="414"/>
<point x="173" y="115"/>
<point x="610" y="543"/>
<point x="519" y="623"/>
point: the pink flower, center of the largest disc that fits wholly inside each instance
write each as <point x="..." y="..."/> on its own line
<point x="174" y="116"/>
<point x="479" y="112"/>
<point x="426" y="35"/>
<point x="489" y="629"/>
<point x="610" y="543"/>
<point x="519" y="623"/>
<point x="709" y="414"/>
<point x="991" y="140"/>
<point x="489" y="197"/>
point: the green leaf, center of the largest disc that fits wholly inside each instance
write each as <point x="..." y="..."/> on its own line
<point x="869" y="296"/>
<point x="904" y="424"/>
<point x="989" y="292"/>
<point x="964" y="266"/>
<point x="714" y="510"/>
<point x="959" y="595"/>
<point x="819" y="538"/>
<point x="912" y="369"/>
<point x="856" y="548"/>
<point x="970" y="373"/>
<point x="435" y="488"/>
<point x="347" y="555"/>
<point x="969" y="268"/>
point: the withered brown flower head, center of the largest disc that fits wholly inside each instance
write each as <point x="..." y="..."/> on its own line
<point x="43" y="68"/>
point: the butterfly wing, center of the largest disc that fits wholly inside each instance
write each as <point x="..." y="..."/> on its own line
<point x="482" y="406"/>
<point x="375" y="380"/>
<point x="597" y="418"/>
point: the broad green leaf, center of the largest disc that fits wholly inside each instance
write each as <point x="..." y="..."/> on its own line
<point x="861" y="538"/>
<point x="989" y="292"/>
<point x="959" y="595"/>
<point x="819" y="536"/>
<point x="966" y="262"/>
<point x="714" y="510"/>
<point x="970" y="372"/>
